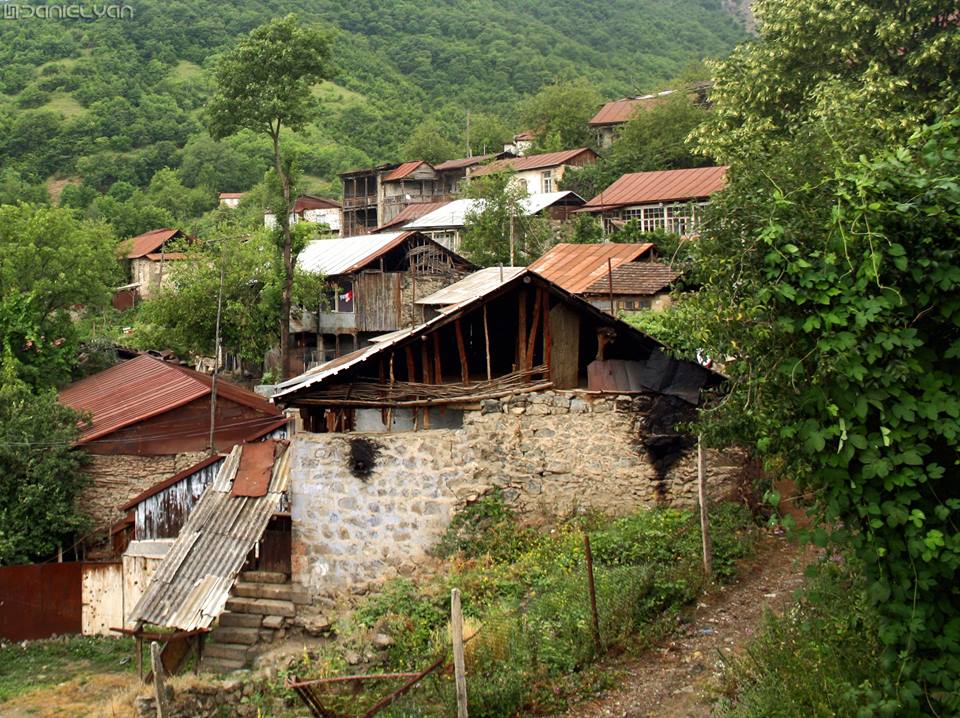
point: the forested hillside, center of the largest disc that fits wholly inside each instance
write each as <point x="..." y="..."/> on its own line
<point x="117" y="100"/>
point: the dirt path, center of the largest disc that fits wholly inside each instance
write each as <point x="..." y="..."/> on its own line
<point x="670" y="679"/>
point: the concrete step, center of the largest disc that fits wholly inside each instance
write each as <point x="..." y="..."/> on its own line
<point x="274" y="591"/>
<point x="227" y="651"/>
<point x="247" y="636"/>
<point x="240" y="620"/>
<point x="261" y="606"/>
<point x="222" y="665"/>
<point x="263" y="577"/>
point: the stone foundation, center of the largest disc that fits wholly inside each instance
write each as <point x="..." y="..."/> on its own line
<point x="115" y="479"/>
<point x="549" y="453"/>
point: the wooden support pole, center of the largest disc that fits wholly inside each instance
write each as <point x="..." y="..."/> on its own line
<point x="592" y="588"/>
<point x="522" y="330"/>
<point x="704" y="515"/>
<point x="389" y="421"/>
<point x="411" y="370"/>
<point x="138" y="641"/>
<point x="425" y="362"/>
<point x="459" y="662"/>
<point x="437" y="367"/>
<point x="486" y="342"/>
<point x="462" y="350"/>
<point x="531" y="340"/>
<point x="159" y="680"/>
<point x="547" y="339"/>
<point x="610" y="284"/>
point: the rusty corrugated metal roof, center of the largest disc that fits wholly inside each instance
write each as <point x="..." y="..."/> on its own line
<point x="192" y="583"/>
<point x="576" y="266"/>
<point x="472" y="286"/>
<point x="142" y="388"/>
<point x="619" y="111"/>
<point x="309" y="201"/>
<point x="231" y="195"/>
<point x="639" y="188"/>
<point x="643" y="278"/>
<point x="532" y="162"/>
<point x="410" y="213"/>
<point x="149" y="242"/>
<point x="403" y="171"/>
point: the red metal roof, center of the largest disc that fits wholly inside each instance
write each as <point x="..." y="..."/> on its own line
<point x="574" y="267"/>
<point x="142" y="388"/>
<point x="644" y="278"/>
<point x="403" y="171"/>
<point x="525" y="136"/>
<point x="533" y="162"/>
<point x="231" y="195"/>
<point x="619" y="111"/>
<point x="308" y="201"/>
<point x="410" y="213"/>
<point x="150" y="242"/>
<point x="662" y="186"/>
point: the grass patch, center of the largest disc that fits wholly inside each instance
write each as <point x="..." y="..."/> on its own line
<point x="35" y="664"/>
<point x="337" y="97"/>
<point x="821" y="659"/>
<point x="64" y="104"/>
<point x="524" y="592"/>
<point x="185" y="70"/>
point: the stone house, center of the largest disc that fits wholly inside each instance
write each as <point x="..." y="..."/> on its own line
<point x="612" y="277"/>
<point x="668" y="200"/>
<point x="373" y="283"/>
<point x="512" y="384"/>
<point x="307" y="208"/>
<point x="230" y="199"/>
<point x="150" y="420"/>
<point x="148" y="259"/>
<point x="538" y="173"/>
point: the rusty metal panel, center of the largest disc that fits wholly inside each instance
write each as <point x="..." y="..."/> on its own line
<point x="163" y="514"/>
<point x="576" y="266"/>
<point x="644" y="278"/>
<point x="253" y="475"/>
<point x="102" y="598"/>
<point x="660" y="186"/>
<point x="40" y="600"/>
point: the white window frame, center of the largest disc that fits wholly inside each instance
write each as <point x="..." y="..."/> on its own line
<point x="546" y="181"/>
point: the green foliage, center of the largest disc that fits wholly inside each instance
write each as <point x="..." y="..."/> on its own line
<point x="829" y="275"/>
<point x="16" y="188"/>
<point x="821" y="659"/>
<point x="498" y="214"/>
<point x="486" y="527"/>
<point x="40" y="473"/>
<point x="558" y="115"/>
<point x="427" y="142"/>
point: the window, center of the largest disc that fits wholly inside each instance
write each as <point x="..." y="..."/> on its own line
<point x="344" y="297"/>
<point x="522" y="184"/>
<point x="547" y="178"/>
<point x="681" y="219"/>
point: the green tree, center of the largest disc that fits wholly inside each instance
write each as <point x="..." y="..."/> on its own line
<point x="498" y="229"/>
<point x="428" y="142"/>
<point x="830" y="278"/>
<point x="41" y="474"/>
<point x="559" y="113"/>
<point x="263" y="85"/>
<point x="488" y="134"/>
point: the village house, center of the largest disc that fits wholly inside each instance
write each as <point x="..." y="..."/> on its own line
<point x="308" y="208"/>
<point x="150" y="420"/>
<point x="612" y="277"/>
<point x="148" y="257"/>
<point x="538" y="173"/>
<point x="445" y="222"/>
<point x="521" y="144"/>
<point x="668" y="200"/>
<point x="230" y="199"/>
<point x="373" y="282"/>
<point x="611" y="117"/>
<point x="374" y="197"/>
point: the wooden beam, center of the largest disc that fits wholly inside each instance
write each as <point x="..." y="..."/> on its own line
<point x="437" y="367"/>
<point x="425" y="362"/>
<point x="531" y="340"/>
<point x="462" y="350"/>
<point x="486" y="341"/>
<point x="411" y="369"/>
<point x="547" y="339"/>
<point x="522" y="330"/>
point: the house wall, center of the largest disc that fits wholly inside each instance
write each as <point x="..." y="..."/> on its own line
<point x="549" y="453"/>
<point x="115" y="479"/>
<point x="101" y="593"/>
<point x="655" y="302"/>
<point x="150" y="275"/>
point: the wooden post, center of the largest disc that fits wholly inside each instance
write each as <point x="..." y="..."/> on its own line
<point x="547" y="341"/>
<point x="522" y="330"/>
<point x="704" y="516"/>
<point x="461" y="348"/>
<point x="139" y="649"/>
<point x="459" y="661"/>
<point x="159" y="680"/>
<point x="591" y="586"/>
<point x="486" y="339"/>
<point x="437" y="366"/>
<point x="610" y="284"/>
<point x="535" y="320"/>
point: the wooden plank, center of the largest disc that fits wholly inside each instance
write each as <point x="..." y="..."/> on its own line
<point x="486" y="342"/>
<point x="163" y="710"/>
<point x="522" y="330"/>
<point x="547" y="339"/>
<point x="425" y="362"/>
<point x="531" y="340"/>
<point x="411" y="367"/>
<point x="437" y="367"/>
<point x="459" y="661"/>
<point x="462" y="350"/>
<point x="565" y="353"/>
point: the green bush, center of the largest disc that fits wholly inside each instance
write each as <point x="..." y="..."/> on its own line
<point x="486" y="527"/>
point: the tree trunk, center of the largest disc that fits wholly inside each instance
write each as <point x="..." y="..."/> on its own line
<point x="287" y="296"/>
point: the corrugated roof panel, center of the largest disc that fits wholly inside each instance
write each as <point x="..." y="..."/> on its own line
<point x="663" y="186"/>
<point x="410" y="213"/>
<point x="333" y="257"/>
<point x="619" y="111"/>
<point x="532" y="162"/>
<point x="576" y="266"/>
<point x="403" y="171"/>
<point x="149" y="242"/>
<point x="472" y="286"/>
<point x="643" y="278"/>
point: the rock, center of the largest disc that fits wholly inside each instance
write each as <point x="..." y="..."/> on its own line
<point x="382" y="641"/>
<point x="490" y="406"/>
<point x="317" y="625"/>
<point x="352" y="658"/>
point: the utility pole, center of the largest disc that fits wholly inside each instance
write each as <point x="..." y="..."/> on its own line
<point x="512" y="245"/>
<point x="704" y="519"/>
<point x="216" y="361"/>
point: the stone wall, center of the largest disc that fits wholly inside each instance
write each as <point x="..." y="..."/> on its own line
<point x="359" y="518"/>
<point x="117" y="478"/>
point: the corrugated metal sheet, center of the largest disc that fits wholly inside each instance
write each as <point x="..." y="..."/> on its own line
<point x="644" y="278"/>
<point x="462" y="163"/>
<point x="193" y="582"/>
<point x="149" y="242"/>
<point x="309" y="201"/>
<point x="410" y="213"/>
<point x="453" y="214"/>
<point x="471" y="287"/>
<point x="403" y="171"/>
<point x="144" y="387"/>
<point x="533" y="162"/>
<point x="619" y="111"/>
<point x="332" y="257"/>
<point x="663" y="186"/>
<point x="576" y="266"/>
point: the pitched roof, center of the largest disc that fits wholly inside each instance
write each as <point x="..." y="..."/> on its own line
<point x="661" y="186"/>
<point x="472" y="286"/>
<point x="145" y="387"/>
<point x="576" y="266"/>
<point x="454" y="213"/>
<point x="410" y="213"/>
<point x="231" y="195"/>
<point x="403" y="171"/>
<point x="532" y="162"/>
<point x="309" y="201"/>
<point x="345" y="255"/>
<point x="644" y="278"/>
<point x="461" y="163"/>
<point x="149" y="242"/>
<point x="619" y="111"/>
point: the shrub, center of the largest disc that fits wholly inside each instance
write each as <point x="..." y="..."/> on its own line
<point x="485" y="527"/>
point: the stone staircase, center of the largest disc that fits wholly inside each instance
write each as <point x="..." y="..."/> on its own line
<point x="261" y="606"/>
